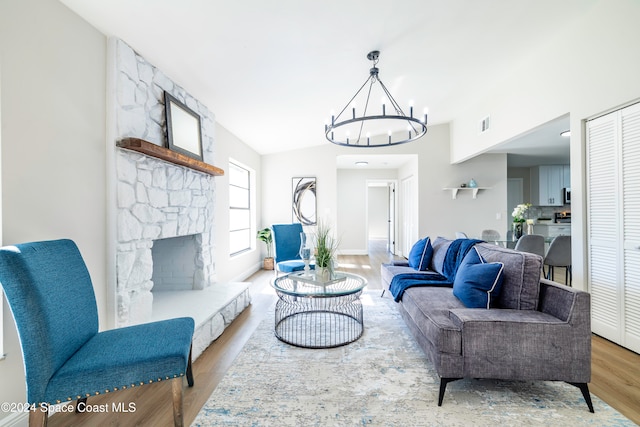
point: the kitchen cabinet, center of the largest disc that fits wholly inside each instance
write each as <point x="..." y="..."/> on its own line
<point x="547" y="183"/>
<point x="566" y="179"/>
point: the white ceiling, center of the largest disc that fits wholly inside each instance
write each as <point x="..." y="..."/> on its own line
<point x="272" y="70"/>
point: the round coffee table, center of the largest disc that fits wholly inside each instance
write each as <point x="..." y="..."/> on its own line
<point x="315" y="313"/>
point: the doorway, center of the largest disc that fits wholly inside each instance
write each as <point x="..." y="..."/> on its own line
<point x="381" y="215"/>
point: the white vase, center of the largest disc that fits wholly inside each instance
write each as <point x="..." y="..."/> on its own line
<point x="323" y="273"/>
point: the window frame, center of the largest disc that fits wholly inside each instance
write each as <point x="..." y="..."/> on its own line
<point x="250" y="207"/>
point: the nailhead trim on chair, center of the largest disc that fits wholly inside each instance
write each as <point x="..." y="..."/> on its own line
<point x="124" y="387"/>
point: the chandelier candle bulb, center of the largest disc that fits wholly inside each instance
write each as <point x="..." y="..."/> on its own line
<point x="411" y="111"/>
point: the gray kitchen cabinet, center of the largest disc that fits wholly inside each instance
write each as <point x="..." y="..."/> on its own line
<point x="547" y="183"/>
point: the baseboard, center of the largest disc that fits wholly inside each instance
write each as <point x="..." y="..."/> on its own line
<point x="248" y="273"/>
<point x="353" y="252"/>
<point x="15" y="419"/>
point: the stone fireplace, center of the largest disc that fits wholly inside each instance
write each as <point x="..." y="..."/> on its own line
<point x="165" y="212"/>
<point x="159" y="201"/>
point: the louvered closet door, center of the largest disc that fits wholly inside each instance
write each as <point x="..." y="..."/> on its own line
<point x="613" y="210"/>
<point x="603" y="230"/>
<point x="630" y="135"/>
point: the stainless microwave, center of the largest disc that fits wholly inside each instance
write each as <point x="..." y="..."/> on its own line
<point x="566" y="192"/>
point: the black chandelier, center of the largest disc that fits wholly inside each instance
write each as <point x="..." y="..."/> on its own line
<point x="370" y="130"/>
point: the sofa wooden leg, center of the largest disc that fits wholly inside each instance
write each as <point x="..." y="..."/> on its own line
<point x="443" y="387"/>
<point x="176" y="389"/>
<point x="38" y="417"/>
<point x="584" y="388"/>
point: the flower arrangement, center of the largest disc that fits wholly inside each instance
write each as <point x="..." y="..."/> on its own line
<point x="520" y="211"/>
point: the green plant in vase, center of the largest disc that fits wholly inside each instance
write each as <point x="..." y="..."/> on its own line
<point x="326" y="248"/>
<point x="265" y="236"/>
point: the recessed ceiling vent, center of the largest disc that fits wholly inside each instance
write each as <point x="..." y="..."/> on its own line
<point x="483" y="125"/>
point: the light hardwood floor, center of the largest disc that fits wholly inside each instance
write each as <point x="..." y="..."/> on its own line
<point x="615" y="370"/>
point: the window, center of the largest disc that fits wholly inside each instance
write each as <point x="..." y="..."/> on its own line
<point x="240" y="209"/>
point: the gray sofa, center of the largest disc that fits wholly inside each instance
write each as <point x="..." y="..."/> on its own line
<point x="539" y="330"/>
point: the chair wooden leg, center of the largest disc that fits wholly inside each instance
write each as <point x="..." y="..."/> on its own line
<point x="189" y="369"/>
<point x="81" y="404"/>
<point x="38" y="417"/>
<point x="176" y="392"/>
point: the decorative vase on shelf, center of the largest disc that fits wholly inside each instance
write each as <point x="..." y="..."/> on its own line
<point x="473" y="183"/>
<point x="517" y="230"/>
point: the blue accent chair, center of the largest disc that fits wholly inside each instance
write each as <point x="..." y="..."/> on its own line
<point x="51" y="297"/>
<point x="287" y="243"/>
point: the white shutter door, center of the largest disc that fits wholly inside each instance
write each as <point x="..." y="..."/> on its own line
<point x="602" y="211"/>
<point x="630" y="135"/>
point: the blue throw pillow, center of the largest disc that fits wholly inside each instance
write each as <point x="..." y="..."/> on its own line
<point x="478" y="283"/>
<point x="420" y="255"/>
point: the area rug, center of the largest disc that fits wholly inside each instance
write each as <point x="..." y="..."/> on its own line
<point x="383" y="379"/>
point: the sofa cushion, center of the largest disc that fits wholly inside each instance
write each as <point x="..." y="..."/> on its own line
<point x="477" y="283"/>
<point x="440" y="247"/>
<point x="420" y="255"/>
<point x="521" y="276"/>
<point x="429" y="309"/>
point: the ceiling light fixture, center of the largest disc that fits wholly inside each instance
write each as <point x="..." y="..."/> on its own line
<point x="565" y="133"/>
<point x="369" y="130"/>
<point x="362" y="163"/>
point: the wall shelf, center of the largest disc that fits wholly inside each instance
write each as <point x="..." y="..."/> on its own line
<point x="162" y="153"/>
<point x="474" y="191"/>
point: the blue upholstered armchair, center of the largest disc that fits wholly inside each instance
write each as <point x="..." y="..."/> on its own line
<point x="287" y="242"/>
<point x="51" y="297"/>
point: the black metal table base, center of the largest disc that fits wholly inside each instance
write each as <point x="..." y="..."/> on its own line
<point x="319" y="322"/>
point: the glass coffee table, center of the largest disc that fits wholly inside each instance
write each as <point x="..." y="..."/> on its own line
<point x="315" y="313"/>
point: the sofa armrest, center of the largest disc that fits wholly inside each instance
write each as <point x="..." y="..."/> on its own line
<point x="522" y="344"/>
<point x="566" y="303"/>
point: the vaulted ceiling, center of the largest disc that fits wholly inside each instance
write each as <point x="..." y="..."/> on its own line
<point x="272" y="70"/>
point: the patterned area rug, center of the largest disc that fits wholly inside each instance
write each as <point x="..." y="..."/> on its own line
<point x="383" y="379"/>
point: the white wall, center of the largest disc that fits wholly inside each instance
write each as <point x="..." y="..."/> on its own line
<point x="342" y="203"/>
<point x="53" y="145"/>
<point x="588" y="69"/>
<point x="378" y="212"/>
<point x="239" y="267"/>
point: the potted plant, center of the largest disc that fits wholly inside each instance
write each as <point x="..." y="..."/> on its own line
<point x="265" y="236"/>
<point x="326" y="248"/>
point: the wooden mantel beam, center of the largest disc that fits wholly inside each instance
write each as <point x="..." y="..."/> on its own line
<point x="162" y="153"/>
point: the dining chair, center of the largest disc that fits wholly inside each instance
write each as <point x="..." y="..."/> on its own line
<point x="490" y="235"/>
<point x="66" y="359"/>
<point x="532" y="243"/>
<point x="559" y="255"/>
<point x="461" y="235"/>
<point x="286" y="238"/>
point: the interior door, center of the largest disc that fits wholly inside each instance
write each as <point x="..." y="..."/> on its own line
<point x="408" y="215"/>
<point x="515" y="195"/>
<point x="391" y="244"/>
